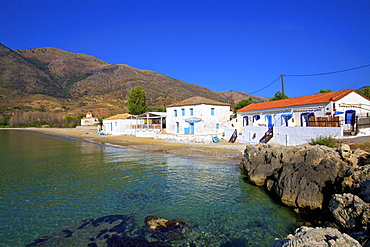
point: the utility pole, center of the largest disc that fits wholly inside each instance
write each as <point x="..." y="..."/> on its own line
<point x="282" y="86"/>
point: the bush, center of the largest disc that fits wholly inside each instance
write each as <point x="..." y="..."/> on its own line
<point x="328" y="141"/>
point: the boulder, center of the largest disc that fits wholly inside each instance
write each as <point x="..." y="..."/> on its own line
<point x="299" y="175"/>
<point x="306" y="184"/>
<point x="350" y="212"/>
<point x="318" y="237"/>
<point x="165" y="230"/>
<point x="357" y="181"/>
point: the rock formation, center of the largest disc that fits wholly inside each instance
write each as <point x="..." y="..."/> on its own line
<point x="315" y="178"/>
<point x="318" y="237"/>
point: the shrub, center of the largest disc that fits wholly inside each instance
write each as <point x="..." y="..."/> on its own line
<point x="328" y="141"/>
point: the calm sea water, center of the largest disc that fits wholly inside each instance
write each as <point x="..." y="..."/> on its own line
<point x="48" y="182"/>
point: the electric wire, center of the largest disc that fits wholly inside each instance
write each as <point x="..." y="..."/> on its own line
<point x="265" y="86"/>
<point x="317" y="74"/>
<point x="333" y="72"/>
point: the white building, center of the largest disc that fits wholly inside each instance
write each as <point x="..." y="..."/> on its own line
<point x="197" y="116"/>
<point x="298" y="120"/>
<point x="89" y="120"/>
<point x="120" y="124"/>
<point x="147" y="124"/>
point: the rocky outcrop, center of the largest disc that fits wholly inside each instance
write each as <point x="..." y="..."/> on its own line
<point x="318" y="237"/>
<point x="335" y="183"/>
<point x="301" y="176"/>
<point x="350" y="212"/>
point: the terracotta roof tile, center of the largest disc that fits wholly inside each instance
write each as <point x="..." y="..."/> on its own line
<point x="304" y="100"/>
<point x="197" y="100"/>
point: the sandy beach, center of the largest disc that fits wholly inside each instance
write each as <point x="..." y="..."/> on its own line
<point x="221" y="150"/>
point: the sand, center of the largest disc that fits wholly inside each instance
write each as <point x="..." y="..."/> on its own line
<point x="221" y="150"/>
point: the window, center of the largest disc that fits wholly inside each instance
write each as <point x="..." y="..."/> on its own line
<point x="305" y="118"/>
<point x="183" y="112"/>
<point x="175" y="113"/>
<point x="256" y="118"/>
<point x="285" y="119"/>
<point x="245" y="121"/>
<point x="191" y="112"/>
<point x="212" y="111"/>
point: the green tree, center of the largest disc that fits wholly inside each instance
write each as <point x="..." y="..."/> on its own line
<point x="325" y="90"/>
<point x="241" y="104"/>
<point x="136" y="101"/>
<point x="278" y="96"/>
<point x="366" y="91"/>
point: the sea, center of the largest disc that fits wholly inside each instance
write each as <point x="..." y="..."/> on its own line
<point x="50" y="182"/>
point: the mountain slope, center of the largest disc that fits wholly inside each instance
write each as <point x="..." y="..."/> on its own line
<point x="19" y="76"/>
<point x="115" y="82"/>
<point x="51" y="79"/>
<point x="233" y="97"/>
<point x="67" y="67"/>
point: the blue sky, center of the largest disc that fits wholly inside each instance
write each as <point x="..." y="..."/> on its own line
<point x="241" y="45"/>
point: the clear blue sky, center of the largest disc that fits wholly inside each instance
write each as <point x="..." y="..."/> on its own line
<point x="241" y="45"/>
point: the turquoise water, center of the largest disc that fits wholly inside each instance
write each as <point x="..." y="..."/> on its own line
<point x="48" y="182"/>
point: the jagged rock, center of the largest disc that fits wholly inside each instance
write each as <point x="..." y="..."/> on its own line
<point x="358" y="182"/>
<point x="307" y="176"/>
<point x="350" y="212"/>
<point x="353" y="158"/>
<point x="318" y="237"/>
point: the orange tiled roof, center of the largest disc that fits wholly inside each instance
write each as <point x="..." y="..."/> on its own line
<point x="303" y="100"/>
<point x="197" y="100"/>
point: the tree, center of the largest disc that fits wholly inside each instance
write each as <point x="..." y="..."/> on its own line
<point x="278" y="96"/>
<point x="366" y="91"/>
<point x="136" y="101"/>
<point x="325" y="90"/>
<point x="241" y="104"/>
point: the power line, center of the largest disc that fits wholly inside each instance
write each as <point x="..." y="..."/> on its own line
<point x="333" y="72"/>
<point x="326" y="73"/>
<point x="265" y="86"/>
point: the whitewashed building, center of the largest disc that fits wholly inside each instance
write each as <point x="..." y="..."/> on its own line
<point x="89" y="120"/>
<point x="197" y="116"/>
<point x="147" y="124"/>
<point x="297" y="120"/>
<point x="119" y="124"/>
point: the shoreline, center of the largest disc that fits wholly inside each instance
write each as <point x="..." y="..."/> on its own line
<point x="221" y="150"/>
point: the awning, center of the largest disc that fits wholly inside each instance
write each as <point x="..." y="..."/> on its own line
<point x="338" y="112"/>
<point x="193" y="120"/>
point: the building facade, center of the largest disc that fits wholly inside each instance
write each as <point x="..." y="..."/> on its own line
<point x="197" y="116"/>
<point x="297" y="120"/>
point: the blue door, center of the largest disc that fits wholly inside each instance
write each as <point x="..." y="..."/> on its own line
<point x="191" y="128"/>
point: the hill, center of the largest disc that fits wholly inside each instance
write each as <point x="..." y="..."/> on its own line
<point x="54" y="80"/>
<point x="233" y="97"/>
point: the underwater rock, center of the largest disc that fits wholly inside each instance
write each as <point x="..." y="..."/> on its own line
<point x="117" y="230"/>
<point x="165" y="230"/>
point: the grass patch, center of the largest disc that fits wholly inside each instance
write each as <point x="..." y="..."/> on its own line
<point x="328" y="141"/>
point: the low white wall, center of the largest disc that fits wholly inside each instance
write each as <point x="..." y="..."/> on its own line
<point x="289" y="136"/>
<point x="147" y="132"/>
<point x="186" y="138"/>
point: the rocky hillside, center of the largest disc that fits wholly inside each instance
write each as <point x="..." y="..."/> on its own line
<point x="56" y="80"/>
<point x="233" y="97"/>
